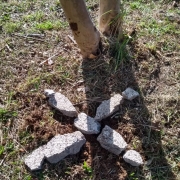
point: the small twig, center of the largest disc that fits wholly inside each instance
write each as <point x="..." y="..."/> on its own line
<point x="8" y="48"/>
<point x="36" y="35"/>
<point x="172" y="53"/>
<point x="20" y="145"/>
<point x="1" y="163"/>
<point x="49" y="59"/>
<point x="54" y="55"/>
<point x="28" y="37"/>
<point x="72" y="39"/>
<point x="149" y="126"/>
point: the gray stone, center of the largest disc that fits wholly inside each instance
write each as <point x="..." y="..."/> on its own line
<point x="130" y="94"/>
<point x="49" y="92"/>
<point x="62" y="103"/>
<point x="111" y="140"/>
<point x="87" y="124"/>
<point x="2" y="106"/>
<point x="56" y="149"/>
<point x="63" y="145"/>
<point x="35" y="160"/>
<point x="133" y="157"/>
<point x="108" y="107"/>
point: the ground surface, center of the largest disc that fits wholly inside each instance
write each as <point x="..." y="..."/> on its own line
<point x="149" y="62"/>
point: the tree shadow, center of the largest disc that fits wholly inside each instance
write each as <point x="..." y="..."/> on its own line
<point x="103" y="78"/>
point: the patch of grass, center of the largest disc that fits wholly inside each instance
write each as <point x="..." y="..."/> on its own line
<point x="31" y="83"/>
<point x="60" y="76"/>
<point x="11" y="27"/>
<point x="38" y="16"/>
<point x="25" y="137"/>
<point x="23" y="81"/>
<point x="120" y="53"/>
<point x="4" y="17"/>
<point x="136" y="5"/>
<point x="87" y="169"/>
<point x="47" y="25"/>
<point x="50" y="25"/>
<point x="155" y="28"/>
<point x="133" y="176"/>
<point x="1" y="150"/>
<point x="5" y="115"/>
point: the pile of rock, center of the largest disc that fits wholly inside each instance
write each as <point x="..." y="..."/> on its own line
<point x="63" y="145"/>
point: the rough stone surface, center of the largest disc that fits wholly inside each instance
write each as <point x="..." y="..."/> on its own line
<point x="108" y="107"/>
<point x="62" y="103"/>
<point x="35" y="160"/>
<point x="130" y="94"/>
<point x="111" y="140"/>
<point x="133" y="157"/>
<point x="87" y="124"/>
<point x="63" y="145"/>
<point x="49" y="92"/>
<point x="56" y="149"/>
<point x="1" y="106"/>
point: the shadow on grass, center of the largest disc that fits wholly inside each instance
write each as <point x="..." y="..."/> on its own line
<point x="103" y="78"/>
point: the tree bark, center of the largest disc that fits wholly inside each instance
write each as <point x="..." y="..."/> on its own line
<point x="85" y="33"/>
<point x="110" y="19"/>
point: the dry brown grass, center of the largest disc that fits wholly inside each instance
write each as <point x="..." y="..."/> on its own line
<point x="149" y="63"/>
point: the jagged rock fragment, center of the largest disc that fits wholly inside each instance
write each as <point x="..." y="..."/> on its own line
<point x="49" y="92"/>
<point x="112" y="140"/>
<point x="35" y="160"/>
<point x="133" y="157"/>
<point x="108" y="107"/>
<point x="62" y="103"/>
<point x="87" y="124"/>
<point x="56" y="149"/>
<point x="63" y="145"/>
<point x="130" y="94"/>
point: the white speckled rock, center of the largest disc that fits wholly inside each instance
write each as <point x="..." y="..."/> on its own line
<point x="56" y="149"/>
<point x="49" y="92"/>
<point x="108" y="107"/>
<point x="87" y="124"/>
<point x="111" y="140"/>
<point x="62" y="103"/>
<point x="133" y="157"/>
<point x="130" y="94"/>
<point x="1" y="106"/>
<point x="63" y="145"/>
<point x="35" y="160"/>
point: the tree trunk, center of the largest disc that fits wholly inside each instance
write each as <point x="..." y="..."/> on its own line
<point x="110" y="19"/>
<point x="85" y="33"/>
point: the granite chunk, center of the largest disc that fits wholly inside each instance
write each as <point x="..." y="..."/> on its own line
<point x="108" y="107"/>
<point x="133" y="157"/>
<point x="130" y="94"/>
<point x="62" y="103"/>
<point x="35" y="160"/>
<point x="49" y="92"/>
<point x="112" y="140"/>
<point x="87" y="124"/>
<point x="63" y="145"/>
<point x="55" y="150"/>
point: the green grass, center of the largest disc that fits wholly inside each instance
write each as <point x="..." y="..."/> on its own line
<point x="48" y="25"/>
<point x="87" y="169"/>
<point x="149" y="124"/>
<point x="11" y="27"/>
<point x="38" y="16"/>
